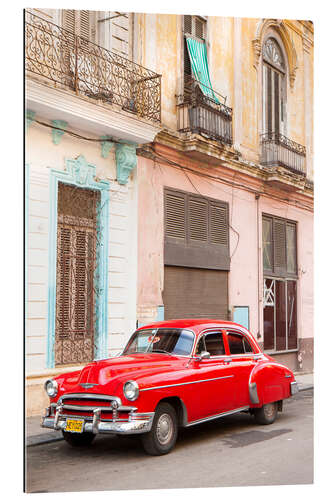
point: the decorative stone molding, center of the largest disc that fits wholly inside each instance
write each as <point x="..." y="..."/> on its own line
<point x="29" y="118"/>
<point x="106" y="145"/>
<point x="279" y="26"/>
<point x="56" y="133"/>
<point x="82" y="174"/>
<point x="126" y="160"/>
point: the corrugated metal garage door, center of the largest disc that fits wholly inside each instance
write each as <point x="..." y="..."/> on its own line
<point x="195" y="293"/>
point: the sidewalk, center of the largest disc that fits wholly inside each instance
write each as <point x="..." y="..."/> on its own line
<point x="35" y="434"/>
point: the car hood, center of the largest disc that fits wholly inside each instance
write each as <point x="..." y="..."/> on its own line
<point x="106" y="375"/>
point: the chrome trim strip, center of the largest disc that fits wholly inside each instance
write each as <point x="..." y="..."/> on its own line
<point x="93" y="408"/>
<point x="185" y="383"/>
<point x="224" y="414"/>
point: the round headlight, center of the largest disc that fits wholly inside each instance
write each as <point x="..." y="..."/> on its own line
<point x="131" y="390"/>
<point x="51" y="388"/>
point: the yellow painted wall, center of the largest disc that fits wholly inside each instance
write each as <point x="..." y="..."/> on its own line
<point x="162" y="42"/>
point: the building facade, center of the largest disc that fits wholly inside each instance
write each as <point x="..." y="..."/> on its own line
<point x="87" y="110"/>
<point x="228" y="182"/>
<point x="144" y="202"/>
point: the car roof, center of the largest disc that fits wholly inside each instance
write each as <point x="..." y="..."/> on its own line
<point x="197" y="324"/>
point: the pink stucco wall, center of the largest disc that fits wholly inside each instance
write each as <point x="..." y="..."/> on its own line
<point x="244" y="278"/>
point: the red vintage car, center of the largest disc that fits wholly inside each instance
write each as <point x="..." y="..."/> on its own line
<point x="171" y="374"/>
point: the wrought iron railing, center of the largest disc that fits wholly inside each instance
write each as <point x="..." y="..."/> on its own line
<point x="278" y="150"/>
<point x="200" y="114"/>
<point x="72" y="61"/>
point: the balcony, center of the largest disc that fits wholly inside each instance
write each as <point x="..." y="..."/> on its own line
<point x="202" y="115"/>
<point x="279" y="151"/>
<point x="57" y="56"/>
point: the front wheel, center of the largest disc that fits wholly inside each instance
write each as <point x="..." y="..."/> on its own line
<point x="77" y="440"/>
<point x="266" y="414"/>
<point x="163" y="435"/>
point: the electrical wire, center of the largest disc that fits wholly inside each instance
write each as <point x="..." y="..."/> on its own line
<point x="163" y="158"/>
<point x="225" y="181"/>
<point x="77" y="136"/>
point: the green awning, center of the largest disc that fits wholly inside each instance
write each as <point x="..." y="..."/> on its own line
<point x="198" y="57"/>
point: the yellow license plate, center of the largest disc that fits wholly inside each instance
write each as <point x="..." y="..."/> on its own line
<point x="73" y="425"/>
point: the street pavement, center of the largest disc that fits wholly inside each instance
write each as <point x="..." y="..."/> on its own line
<point x="233" y="451"/>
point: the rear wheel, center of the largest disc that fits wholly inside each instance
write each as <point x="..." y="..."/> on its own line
<point x="266" y="414"/>
<point x="76" y="440"/>
<point x="163" y="434"/>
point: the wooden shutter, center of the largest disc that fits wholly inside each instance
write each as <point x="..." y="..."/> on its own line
<point x="199" y="28"/>
<point x="198" y="219"/>
<point x="81" y="22"/>
<point x="188" y="25"/>
<point x="76" y="262"/>
<point x="218" y="224"/>
<point x="269" y="104"/>
<point x="196" y="231"/>
<point x="280" y="258"/>
<point x="276" y="102"/>
<point x="267" y="243"/>
<point x="175" y="215"/>
<point x="291" y="248"/>
<point x="69" y="20"/>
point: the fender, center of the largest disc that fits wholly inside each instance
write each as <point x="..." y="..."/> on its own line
<point x="269" y="382"/>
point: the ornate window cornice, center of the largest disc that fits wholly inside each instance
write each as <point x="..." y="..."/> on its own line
<point x="280" y="28"/>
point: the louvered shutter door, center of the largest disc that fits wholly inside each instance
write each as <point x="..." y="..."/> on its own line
<point x="198" y="219"/>
<point x="196" y="231"/>
<point x="175" y="220"/>
<point x="199" y="28"/>
<point x="88" y="25"/>
<point x="188" y="25"/>
<point x="63" y="285"/>
<point x="218" y="225"/>
<point x="69" y="20"/>
<point x="76" y="258"/>
<point x="280" y="260"/>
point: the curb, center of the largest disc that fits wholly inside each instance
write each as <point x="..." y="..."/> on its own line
<point x="42" y="439"/>
<point x="306" y="388"/>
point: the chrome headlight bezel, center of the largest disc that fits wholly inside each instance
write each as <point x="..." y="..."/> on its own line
<point x="132" y="386"/>
<point x="51" y="388"/>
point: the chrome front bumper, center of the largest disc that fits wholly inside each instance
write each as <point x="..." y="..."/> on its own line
<point x="137" y="424"/>
<point x="294" y="389"/>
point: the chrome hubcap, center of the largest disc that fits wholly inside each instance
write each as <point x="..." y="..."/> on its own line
<point x="269" y="410"/>
<point x="164" y="429"/>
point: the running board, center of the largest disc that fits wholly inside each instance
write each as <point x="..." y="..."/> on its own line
<point x="213" y="417"/>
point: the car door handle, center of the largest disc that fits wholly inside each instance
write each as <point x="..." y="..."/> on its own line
<point x="227" y="360"/>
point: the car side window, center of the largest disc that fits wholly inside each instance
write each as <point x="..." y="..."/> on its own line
<point x="200" y="346"/>
<point x="247" y="345"/>
<point x="214" y="343"/>
<point x="238" y="344"/>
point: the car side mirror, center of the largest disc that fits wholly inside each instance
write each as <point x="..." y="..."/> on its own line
<point x="203" y="355"/>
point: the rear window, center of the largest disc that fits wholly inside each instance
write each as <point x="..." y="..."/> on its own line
<point x="238" y="344"/>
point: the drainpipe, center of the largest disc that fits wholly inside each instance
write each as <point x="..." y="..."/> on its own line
<point x="257" y="197"/>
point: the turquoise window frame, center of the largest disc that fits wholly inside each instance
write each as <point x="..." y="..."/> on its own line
<point x="81" y="174"/>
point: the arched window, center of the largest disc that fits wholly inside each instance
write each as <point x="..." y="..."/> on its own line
<point x="274" y="87"/>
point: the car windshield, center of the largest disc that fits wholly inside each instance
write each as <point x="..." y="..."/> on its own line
<point x="165" y="340"/>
